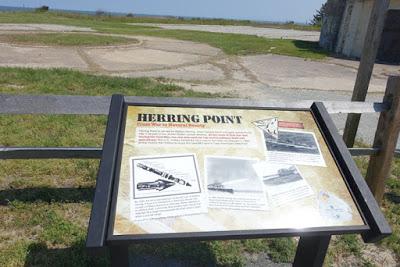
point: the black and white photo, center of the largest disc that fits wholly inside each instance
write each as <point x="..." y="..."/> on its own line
<point x="283" y="183"/>
<point x="293" y="142"/>
<point x="232" y="183"/>
<point x="285" y="175"/>
<point x="293" y="147"/>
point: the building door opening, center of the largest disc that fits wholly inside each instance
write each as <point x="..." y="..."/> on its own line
<point x="389" y="50"/>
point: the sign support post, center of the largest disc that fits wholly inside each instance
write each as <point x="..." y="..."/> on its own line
<point x="119" y="256"/>
<point x="311" y="251"/>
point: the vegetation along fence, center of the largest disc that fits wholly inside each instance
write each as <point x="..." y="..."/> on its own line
<point x="381" y="154"/>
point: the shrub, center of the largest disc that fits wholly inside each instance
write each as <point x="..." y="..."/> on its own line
<point x="317" y="19"/>
<point x="42" y="9"/>
<point x="100" y="12"/>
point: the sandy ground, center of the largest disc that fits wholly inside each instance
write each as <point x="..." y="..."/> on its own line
<point x="201" y="67"/>
<point x="249" y="30"/>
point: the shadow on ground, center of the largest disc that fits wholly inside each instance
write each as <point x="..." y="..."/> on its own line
<point x="47" y="194"/>
<point x="310" y="46"/>
<point x="166" y="255"/>
<point x="392" y="197"/>
<point x="39" y="254"/>
<point x="174" y="254"/>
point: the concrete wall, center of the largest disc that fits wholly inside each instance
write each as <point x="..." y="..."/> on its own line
<point x="354" y="26"/>
<point x="389" y="49"/>
<point x="331" y="23"/>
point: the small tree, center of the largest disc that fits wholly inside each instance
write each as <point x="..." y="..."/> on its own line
<point x="42" y="9"/>
<point x="129" y="15"/>
<point x="317" y="18"/>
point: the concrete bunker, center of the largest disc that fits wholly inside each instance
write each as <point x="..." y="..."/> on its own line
<point x="344" y="28"/>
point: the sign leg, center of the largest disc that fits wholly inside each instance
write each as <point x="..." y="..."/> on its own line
<point x="119" y="256"/>
<point x="311" y="251"/>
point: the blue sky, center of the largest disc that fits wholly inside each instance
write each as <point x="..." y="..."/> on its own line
<point x="269" y="10"/>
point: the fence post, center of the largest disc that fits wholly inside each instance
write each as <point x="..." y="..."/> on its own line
<point x="386" y="137"/>
<point x="368" y="56"/>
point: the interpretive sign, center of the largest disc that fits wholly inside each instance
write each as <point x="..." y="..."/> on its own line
<point x="189" y="169"/>
<point x="223" y="171"/>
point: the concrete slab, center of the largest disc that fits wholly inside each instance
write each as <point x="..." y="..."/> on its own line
<point x="172" y="45"/>
<point x="291" y="72"/>
<point x="40" y="57"/>
<point x="202" y="72"/>
<point x="138" y="59"/>
<point x="380" y="70"/>
<point x="234" y="70"/>
<point x="249" y="30"/>
<point x="43" y="27"/>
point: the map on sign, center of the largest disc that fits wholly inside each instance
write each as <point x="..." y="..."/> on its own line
<point x="212" y="169"/>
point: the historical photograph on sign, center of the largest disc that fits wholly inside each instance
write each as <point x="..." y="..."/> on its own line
<point x="232" y="183"/>
<point x="283" y="183"/>
<point x="293" y="147"/>
<point x="168" y="185"/>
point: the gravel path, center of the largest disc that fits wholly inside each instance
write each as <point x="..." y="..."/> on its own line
<point x="249" y="30"/>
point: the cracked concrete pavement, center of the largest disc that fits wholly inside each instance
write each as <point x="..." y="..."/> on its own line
<point x="200" y="67"/>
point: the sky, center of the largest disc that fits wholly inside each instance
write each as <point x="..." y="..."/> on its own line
<point x="265" y="10"/>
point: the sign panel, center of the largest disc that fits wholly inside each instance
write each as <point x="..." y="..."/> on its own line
<point x="188" y="169"/>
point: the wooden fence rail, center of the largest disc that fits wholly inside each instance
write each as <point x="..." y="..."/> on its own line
<point x="382" y="150"/>
<point x="99" y="105"/>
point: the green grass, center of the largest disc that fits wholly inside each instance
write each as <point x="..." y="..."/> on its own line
<point x="181" y="20"/>
<point x="219" y="253"/>
<point x="66" y="39"/>
<point x="235" y="44"/>
<point x="46" y="235"/>
<point x="231" y="44"/>
<point x="63" y="81"/>
<point x="352" y="245"/>
<point x="45" y="204"/>
<point x="391" y="206"/>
